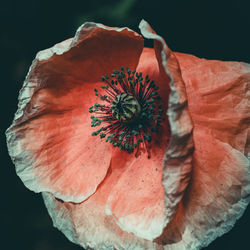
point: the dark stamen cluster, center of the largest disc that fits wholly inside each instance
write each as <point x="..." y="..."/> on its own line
<point x="130" y="110"/>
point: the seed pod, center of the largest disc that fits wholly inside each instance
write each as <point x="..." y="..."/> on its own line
<point x="125" y="108"/>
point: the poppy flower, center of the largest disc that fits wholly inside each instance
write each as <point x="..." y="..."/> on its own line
<point x="134" y="147"/>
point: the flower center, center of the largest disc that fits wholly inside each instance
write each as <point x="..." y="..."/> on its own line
<point x="129" y="112"/>
<point x="125" y="108"/>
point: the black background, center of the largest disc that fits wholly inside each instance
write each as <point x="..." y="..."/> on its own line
<point x="209" y="29"/>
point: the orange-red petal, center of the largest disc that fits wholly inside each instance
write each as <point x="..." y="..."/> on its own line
<point x="137" y="205"/>
<point x="219" y="190"/>
<point x="177" y="164"/>
<point x="50" y="139"/>
<point x="136" y="201"/>
<point x="152" y="208"/>
<point x="196" y="211"/>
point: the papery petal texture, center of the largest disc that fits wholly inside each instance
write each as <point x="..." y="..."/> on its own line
<point x="88" y="224"/>
<point x="177" y="164"/>
<point x="136" y="202"/>
<point x="141" y="183"/>
<point x="219" y="190"/>
<point x="138" y="205"/>
<point x="50" y="139"/>
<point x="196" y="183"/>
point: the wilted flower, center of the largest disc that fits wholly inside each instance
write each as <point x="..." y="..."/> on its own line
<point x="148" y="188"/>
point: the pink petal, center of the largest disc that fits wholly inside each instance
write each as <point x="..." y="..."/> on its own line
<point x="50" y="139"/>
<point x="177" y="163"/>
<point x="87" y="224"/>
<point x="219" y="190"/>
<point x="132" y="192"/>
<point x="218" y="97"/>
<point x="142" y="210"/>
<point x="217" y="195"/>
<point x="136" y="201"/>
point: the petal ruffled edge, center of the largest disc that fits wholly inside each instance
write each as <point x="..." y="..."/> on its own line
<point x="32" y="84"/>
<point x="179" y="117"/>
<point x="216" y="198"/>
<point x="177" y="163"/>
<point x="188" y="234"/>
<point x="219" y="191"/>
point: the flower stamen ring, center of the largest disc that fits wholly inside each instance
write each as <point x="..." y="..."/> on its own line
<point x="130" y="110"/>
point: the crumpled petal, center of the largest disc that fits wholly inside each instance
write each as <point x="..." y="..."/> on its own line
<point x="202" y="199"/>
<point x="219" y="190"/>
<point x="132" y="192"/>
<point x="87" y="223"/>
<point x="50" y="139"/>
<point x="141" y="180"/>
<point x="147" y="215"/>
<point x="136" y="201"/>
<point x="218" y="98"/>
<point x="177" y="163"/>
